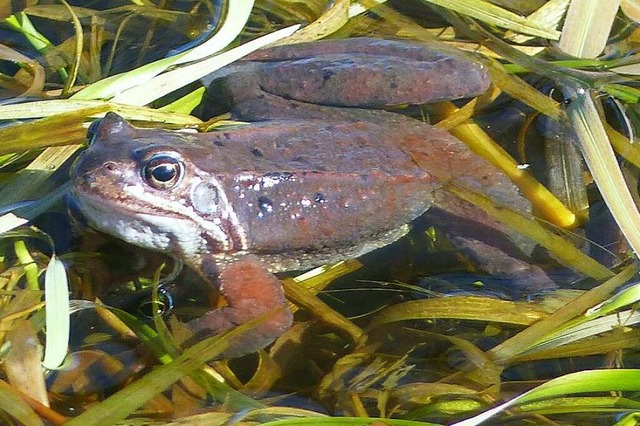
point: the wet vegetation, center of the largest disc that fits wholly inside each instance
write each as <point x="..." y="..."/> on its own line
<point x="414" y="334"/>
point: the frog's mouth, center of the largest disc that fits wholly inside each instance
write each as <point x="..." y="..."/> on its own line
<point x="166" y="233"/>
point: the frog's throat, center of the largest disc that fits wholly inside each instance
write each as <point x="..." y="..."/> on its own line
<point x="303" y="259"/>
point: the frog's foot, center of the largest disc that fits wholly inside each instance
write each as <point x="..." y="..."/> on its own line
<point x="524" y="276"/>
<point x="250" y="291"/>
<point x="495" y="248"/>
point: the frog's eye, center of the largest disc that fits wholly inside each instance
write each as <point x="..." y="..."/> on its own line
<point x="163" y="306"/>
<point x="162" y="171"/>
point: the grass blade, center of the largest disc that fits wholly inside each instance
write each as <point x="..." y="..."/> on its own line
<point x="56" y="296"/>
<point x="68" y="84"/>
<point x="482" y="144"/>
<point x="495" y="15"/>
<point x="602" y="163"/>
<point x="587" y="27"/>
<point x="136" y="394"/>
<point x="581" y="382"/>
<point x="236" y="19"/>
<point x="331" y="21"/>
<point x="48" y="108"/>
<point x="11" y="403"/>
<point x="173" y="80"/>
<point x="111" y="86"/>
<point x="527" y="338"/>
<point x="548" y="15"/>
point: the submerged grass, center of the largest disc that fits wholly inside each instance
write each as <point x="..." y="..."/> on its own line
<point x="428" y="361"/>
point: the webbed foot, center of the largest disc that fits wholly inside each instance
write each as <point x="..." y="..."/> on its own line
<point x="250" y="291"/>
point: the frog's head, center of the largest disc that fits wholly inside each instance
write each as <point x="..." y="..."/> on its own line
<point x="143" y="188"/>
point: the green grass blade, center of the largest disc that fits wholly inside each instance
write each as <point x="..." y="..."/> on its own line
<point x="21" y="23"/>
<point x="29" y="265"/>
<point x="581" y="382"/>
<point x="56" y="295"/>
<point x="587" y="329"/>
<point x="628" y="296"/>
<point x="110" y="86"/>
<point x="175" y="79"/>
<point x="185" y="104"/>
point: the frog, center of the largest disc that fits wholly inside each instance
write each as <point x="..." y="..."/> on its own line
<point x="319" y="172"/>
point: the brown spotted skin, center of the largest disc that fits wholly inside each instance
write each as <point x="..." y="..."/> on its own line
<point x="309" y="186"/>
<point x="305" y="184"/>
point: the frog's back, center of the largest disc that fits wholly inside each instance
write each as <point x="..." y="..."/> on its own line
<point x="317" y="191"/>
<point x="311" y="145"/>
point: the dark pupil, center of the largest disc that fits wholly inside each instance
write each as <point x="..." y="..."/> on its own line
<point x="164" y="172"/>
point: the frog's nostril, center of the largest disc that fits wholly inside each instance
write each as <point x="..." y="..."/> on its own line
<point x="87" y="178"/>
<point x="110" y="165"/>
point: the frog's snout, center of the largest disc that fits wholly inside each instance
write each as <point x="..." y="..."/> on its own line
<point x="84" y="180"/>
<point x="88" y="172"/>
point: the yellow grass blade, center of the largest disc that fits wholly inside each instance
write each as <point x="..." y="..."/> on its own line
<point x="304" y="298"/>
<point x="479" y="142"/>
<point x="71" y="80"/>
<point x="562" y="249"/>
<point x="631" y="9"/>
<point x="495" y="15"/>
<point x="38" y="109"/>
<point x="527" y="338"/>
<point x="331" y="21"/>
<point x="11" y="402"/>
<point x="587" y="27"/>
<point x="462" y="308"/>
<point x="548" y="16"/>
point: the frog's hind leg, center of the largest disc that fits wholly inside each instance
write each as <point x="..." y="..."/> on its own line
<point x="250" y="291"/>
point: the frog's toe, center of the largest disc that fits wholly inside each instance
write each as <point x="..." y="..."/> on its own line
<point x="254" y="339"/>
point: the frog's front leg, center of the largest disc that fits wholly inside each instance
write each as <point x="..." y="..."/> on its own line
<point x="250" y="291"/>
